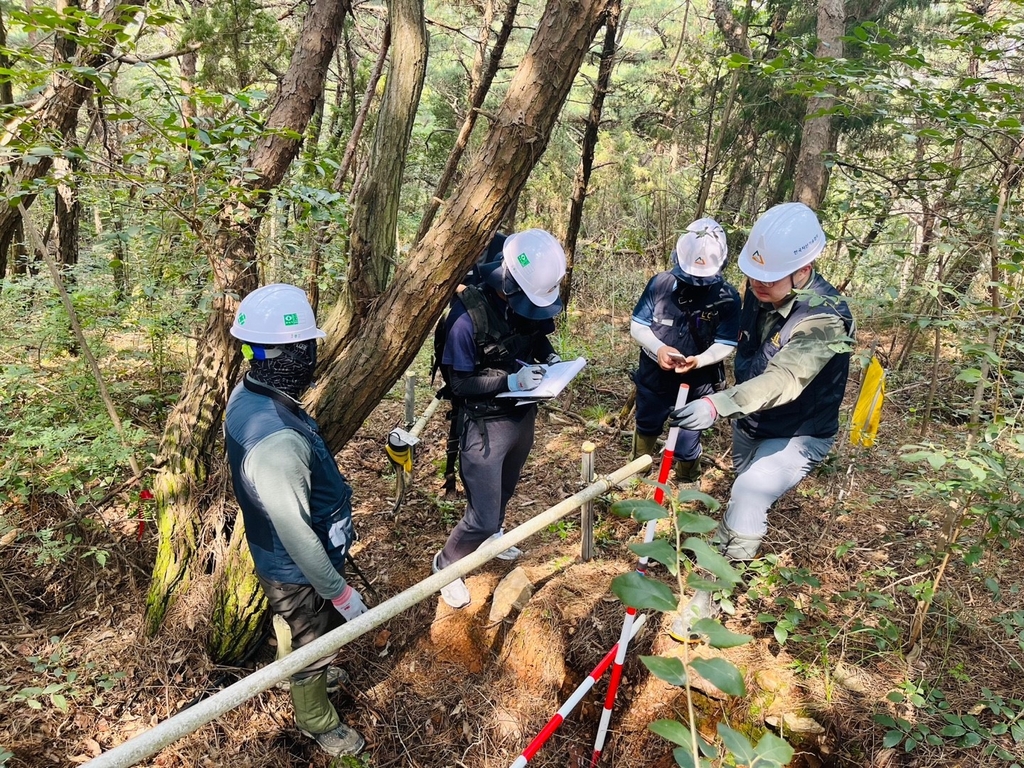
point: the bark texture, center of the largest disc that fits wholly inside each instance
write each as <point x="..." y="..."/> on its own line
<point x="192" y="428"/>
<point x="370" y="353"/>
<point x="819" y="135"/>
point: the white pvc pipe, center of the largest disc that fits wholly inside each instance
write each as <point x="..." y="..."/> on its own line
<point x="419" y="425"/>
<point x="177" y="726"/>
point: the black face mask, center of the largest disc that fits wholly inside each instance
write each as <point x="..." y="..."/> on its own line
<point x="291" y="371"/>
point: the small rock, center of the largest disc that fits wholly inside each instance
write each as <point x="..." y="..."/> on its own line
<point x="797" y="724"/>
<point x="513" y="592"/>
<point x="851" y="678"/>
<point x="770" y="680"/>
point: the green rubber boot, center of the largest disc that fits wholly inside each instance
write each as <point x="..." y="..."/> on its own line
<point x="317" y="718"/>
<point x="646" y="444"/>
<point x="687" y="471"/>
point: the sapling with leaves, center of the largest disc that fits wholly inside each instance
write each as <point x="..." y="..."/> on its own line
<point x="696" y="566"/>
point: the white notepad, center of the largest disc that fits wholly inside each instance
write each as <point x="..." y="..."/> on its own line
<point x="556" y="378"/>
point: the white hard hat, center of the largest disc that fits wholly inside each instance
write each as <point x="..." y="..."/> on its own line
<point x="536" y="261"/>
<point x="275" y="314"/>
<point x="701" y="250"/>
<point x="785" y="238"/>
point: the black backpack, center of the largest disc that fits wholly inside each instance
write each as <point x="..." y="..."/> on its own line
<point x="491" y="254"/>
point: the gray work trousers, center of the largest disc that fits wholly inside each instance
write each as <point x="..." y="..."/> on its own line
<point x="492" y="453"/>
<point x="765" y="469"/>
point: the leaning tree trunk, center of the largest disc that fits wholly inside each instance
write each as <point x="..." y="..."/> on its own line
<point x="192" y="428"/>
<point x="812" y="171"/>
<point x="367" y="356"/>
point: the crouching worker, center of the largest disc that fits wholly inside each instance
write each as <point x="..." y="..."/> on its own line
<point x="495" y="335"/>
<point x="686" y="323"/>
<point x="295" y="502"/>
<point x="792" y="363"/>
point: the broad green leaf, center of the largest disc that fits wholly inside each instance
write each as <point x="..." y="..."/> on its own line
<point x="737" y="744"/>
<point x="670" y="670"/>
<point x="718" y="636"/>
<point x="892" y="738"/>
<point x="937" y="460"/>
<point x="710" y="560"/>
<point x="689" y="522"/>
<point x="953" y="731"/>
<point x="686" y="495"/>
<point x="671" y="730"/>
<point x="640" y="592"/>
<point x="684" y="759"/>
<point x="770" y="747"/>
<point x="695" y="581"/>
<point x="721" y="674"/>
<point x="661" y="551"/>
<point x="639" y="509"/>
<point x="59" y="702"/>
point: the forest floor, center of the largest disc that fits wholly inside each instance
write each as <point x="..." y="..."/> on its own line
<point x="433" y="688"/>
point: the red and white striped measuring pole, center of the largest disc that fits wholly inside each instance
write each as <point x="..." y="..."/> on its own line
<point x="570" y="703"/>
<point x="641" y="568"/>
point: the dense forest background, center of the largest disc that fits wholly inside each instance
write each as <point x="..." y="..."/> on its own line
<point x="161" y="160"/>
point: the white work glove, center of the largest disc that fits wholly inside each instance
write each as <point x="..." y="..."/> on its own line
<point x="700" y="414"/>
<point x="553" y="358"/>
<point x="525" y="378"/>
<point x="349" y="603"/>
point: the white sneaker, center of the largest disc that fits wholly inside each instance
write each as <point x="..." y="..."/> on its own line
<point x="455" y="594"/>
<point x="512" y="553"/>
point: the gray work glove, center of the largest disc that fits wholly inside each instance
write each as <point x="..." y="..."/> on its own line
<point x="349" y="603"/>
<point x="525" y="378"/>
<point x="700" y="414"/>
<point x="553" y="358"/>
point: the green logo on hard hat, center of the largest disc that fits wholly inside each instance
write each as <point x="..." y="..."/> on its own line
<point x="241" y="319"/>
<point x="524" y="260"/>
<point x="292" y="319"/>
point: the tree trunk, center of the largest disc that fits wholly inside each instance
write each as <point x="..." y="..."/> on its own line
<point x="812" y="173"/>
<point x="192" y="428"/>
<point x="239" y="604"/>
<point x="368" y="355"/>
<point x="375" y="215"/>
<point x="590" y="134"/>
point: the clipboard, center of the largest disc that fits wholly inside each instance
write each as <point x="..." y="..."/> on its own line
<point x="556" y="378"/>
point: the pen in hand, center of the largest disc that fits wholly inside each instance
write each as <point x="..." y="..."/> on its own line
<point x="529" y="365"/>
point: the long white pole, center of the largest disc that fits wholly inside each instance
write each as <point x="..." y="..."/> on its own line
<point x="152" y="741"/>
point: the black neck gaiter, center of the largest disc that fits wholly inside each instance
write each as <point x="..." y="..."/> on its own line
<point x="291" y="371"/>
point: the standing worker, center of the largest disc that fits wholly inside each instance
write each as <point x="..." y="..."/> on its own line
<point x="686" y="322"/>
<point x="792" y="363"/>
<point x="495" y="335"/>
<point x="295" y="502"/>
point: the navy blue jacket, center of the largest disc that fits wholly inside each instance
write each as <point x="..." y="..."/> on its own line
<point x="815" y="412"/>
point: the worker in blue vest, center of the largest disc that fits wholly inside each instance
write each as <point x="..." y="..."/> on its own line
<point x="496" y="341"/>
<point x="686" y="323"/>
<point x="792" y="362"/>
<point x="295" y="502"/>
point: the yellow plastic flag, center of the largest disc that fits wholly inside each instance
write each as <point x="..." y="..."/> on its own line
<point x="867" y="412"/>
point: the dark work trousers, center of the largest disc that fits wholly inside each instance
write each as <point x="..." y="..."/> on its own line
<point x="656" y="392"/>
<point x="309" y="616"/>
<point x="492" y="453"/>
